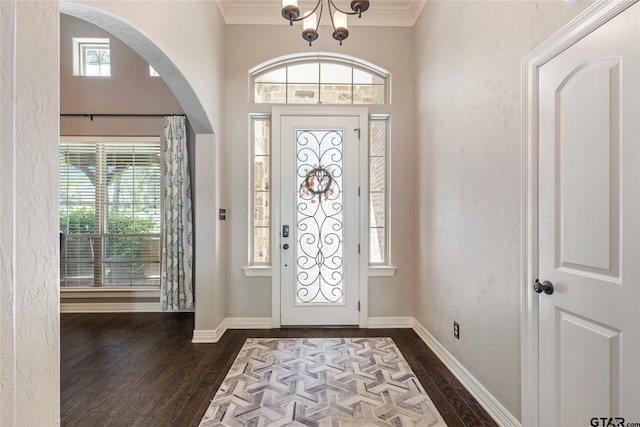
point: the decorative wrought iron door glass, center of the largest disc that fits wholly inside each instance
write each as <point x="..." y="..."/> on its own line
<point x="319" y="217"/>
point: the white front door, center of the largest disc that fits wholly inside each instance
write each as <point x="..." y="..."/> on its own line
<point x="589" y="228"/>
<point x="319" y="268"/>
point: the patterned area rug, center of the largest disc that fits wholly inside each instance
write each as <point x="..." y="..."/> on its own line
<point x="321" y="382"/>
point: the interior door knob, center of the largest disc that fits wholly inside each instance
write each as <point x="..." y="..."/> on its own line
<point x="546" y="287"/>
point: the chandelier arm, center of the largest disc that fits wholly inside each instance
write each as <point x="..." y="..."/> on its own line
<point x="321" y="3"/>
<point x="331" y="3"/>
<point x="313" y="11"/>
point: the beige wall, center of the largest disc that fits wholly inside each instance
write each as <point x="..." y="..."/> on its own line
<point x="188" y="53"/>
<point x="389" y="48"/>
<point x="468" y="121"/>
<point x="129" y="89"/>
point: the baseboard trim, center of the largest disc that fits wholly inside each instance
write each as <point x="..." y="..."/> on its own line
<point x="248" y="322"/>
<point x="208" y="336"/>
<point x="494" y="408"/>
<point x="110" y="307"/>
<point x="390" y="322"/>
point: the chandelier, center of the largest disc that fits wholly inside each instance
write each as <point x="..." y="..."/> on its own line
<point x="311" y="21"/>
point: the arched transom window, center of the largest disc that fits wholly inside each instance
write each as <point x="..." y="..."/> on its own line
<point x="319" y="80"/>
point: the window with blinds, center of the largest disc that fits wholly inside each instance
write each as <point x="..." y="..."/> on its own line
<point x="110" y="212"/>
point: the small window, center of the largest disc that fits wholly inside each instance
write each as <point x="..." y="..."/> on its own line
<point x="91" y="57"/>
<point x="261" y="175"/>
<point x="319" y="81"/>
<point x="378" y="204"/>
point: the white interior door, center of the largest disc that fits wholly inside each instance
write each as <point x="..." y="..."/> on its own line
<point x="319" y="219"/>
<point x="589" y="233"/>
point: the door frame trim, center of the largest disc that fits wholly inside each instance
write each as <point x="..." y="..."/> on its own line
<point x="363" y="261"/>
<point x="585" y="23"/>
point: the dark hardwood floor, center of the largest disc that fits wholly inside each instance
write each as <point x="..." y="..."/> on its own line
<point x="141" y="369"/>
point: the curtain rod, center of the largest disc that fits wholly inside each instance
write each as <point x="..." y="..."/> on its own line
<point x="91" y="116"/>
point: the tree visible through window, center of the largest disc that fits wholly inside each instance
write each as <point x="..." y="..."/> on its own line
<point x="110" y="207"/>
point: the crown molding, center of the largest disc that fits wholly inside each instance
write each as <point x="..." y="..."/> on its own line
<point x="381" y="13"/>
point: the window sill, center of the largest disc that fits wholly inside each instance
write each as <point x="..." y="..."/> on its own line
<point x="265" y="271"/>
<point x="111" y="292"/>
<point x="382" y="271"/>
<point x="257" y="271"/>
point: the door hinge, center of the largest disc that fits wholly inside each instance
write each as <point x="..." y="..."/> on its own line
<point x="358" y="247"/>
<point x="358" y="305"/>
<point x="358" y="130"/>
<point x="358" y="191"/>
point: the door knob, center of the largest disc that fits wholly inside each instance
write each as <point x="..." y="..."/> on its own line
<point x="546" y="287"/>
<point x="285" y="246"/>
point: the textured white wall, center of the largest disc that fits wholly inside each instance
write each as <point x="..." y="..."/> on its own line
<point x="29" y="328"/>
<point x="389" y="48"/>
<point x="468" y="119"/>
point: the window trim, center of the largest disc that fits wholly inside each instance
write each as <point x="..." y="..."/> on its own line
<point x="80" y="44"/>
<point x="254" y="266"/>
<point x="386" y="262"/>
<point x="320" y="58"/>
<point x="108" y="291"/>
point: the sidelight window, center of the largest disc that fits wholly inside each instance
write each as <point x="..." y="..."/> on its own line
<point x="378" y="185"/>
<point x="260" y="198"/>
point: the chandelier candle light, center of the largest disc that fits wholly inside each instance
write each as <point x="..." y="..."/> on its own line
<point x="311" y="21"/>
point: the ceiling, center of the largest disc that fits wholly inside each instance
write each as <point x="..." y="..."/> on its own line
<point x="383" y="13"/>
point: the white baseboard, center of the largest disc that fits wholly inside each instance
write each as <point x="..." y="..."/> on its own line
<point x="494" y="408"/>
<point x="248" y="322"/>
<point x="390" y="322"/>
<point x="110" y="307"/>
<point x="204" y="336"/>
<point x="207" y="336"/>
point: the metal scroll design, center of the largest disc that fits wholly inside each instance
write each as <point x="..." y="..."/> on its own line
<point x="319" y="216"/>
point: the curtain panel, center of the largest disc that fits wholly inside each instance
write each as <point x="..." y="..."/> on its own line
<point x="176" y="283"/>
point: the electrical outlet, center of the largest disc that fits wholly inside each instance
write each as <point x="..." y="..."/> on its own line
<point x="456" y="329"/>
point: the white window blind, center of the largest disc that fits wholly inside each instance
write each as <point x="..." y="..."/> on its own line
<point x="110" y="212"/>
